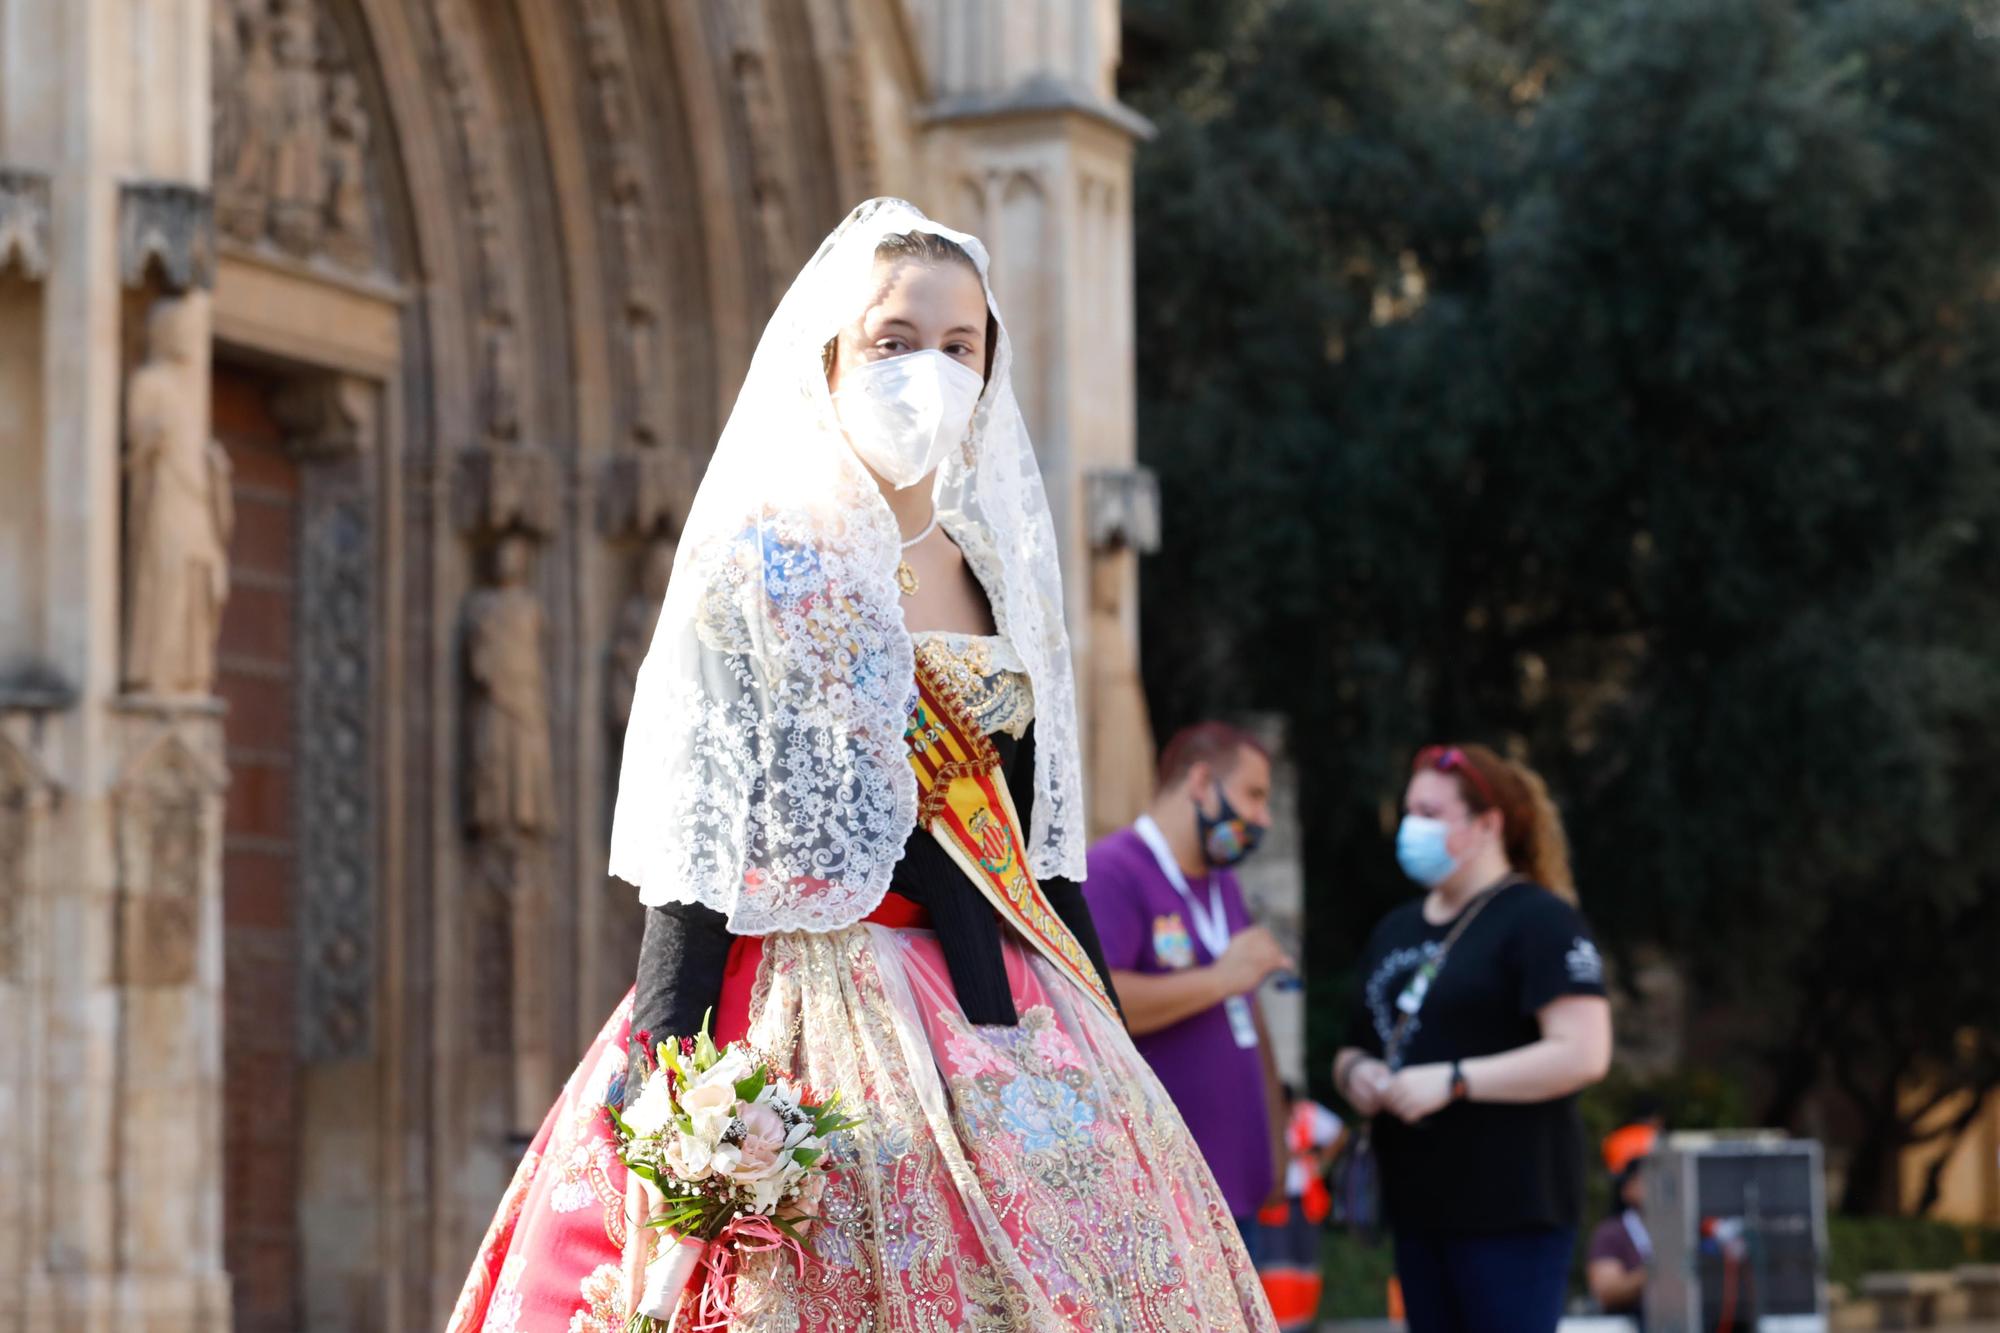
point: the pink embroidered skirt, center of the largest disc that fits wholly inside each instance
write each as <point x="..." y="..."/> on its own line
<point x="1004" y="1178"/>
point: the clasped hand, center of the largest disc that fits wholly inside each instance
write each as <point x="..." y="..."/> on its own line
<point x="1410" y="1095"/>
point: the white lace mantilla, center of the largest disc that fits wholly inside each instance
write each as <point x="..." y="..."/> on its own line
<point x="765" y="773"/>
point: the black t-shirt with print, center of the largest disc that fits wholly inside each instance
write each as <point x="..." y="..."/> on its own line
<point x="1479" y="1166"/>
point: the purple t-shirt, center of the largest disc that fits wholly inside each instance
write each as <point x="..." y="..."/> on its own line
<point x="1143" y="923"/>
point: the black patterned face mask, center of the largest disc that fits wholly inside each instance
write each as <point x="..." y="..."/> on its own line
<point x="1226" y="837"/>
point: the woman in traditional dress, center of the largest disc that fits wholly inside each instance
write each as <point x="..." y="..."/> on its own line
<point x="851" y="800"/>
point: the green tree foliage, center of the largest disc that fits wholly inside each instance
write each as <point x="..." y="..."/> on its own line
<point x="1618" y="381"/>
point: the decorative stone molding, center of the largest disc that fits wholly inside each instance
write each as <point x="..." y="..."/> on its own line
<point x="750" y="65"/>
<point x="632" y="220"/>
<point x="169" y="226"/>
<point x="27" y="794"/>
<point x="508" y="488"/>
<point x="24" y="223"/>
<point x="291" y="135"/>
<point x="1122" y="508"/>
<point x="647" y="492"/>
<point x="331" y="424"/>
<point x="495" y="260"/>
<point x="327" y="418"/>
<point x="167" y="820"/>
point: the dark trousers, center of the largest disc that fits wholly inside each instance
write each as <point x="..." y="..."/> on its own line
<point x="1498" y="1282"/>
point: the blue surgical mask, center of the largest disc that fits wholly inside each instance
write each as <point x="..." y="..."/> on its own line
<point x="1421" y="850"/>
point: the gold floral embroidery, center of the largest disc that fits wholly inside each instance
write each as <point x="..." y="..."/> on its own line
<point x="983" y="671"/>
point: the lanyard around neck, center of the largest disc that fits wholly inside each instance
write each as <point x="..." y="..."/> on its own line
<point x="1212" y="926"/>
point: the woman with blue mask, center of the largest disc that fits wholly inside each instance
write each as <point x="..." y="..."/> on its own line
<point x="1481" y="1016"/>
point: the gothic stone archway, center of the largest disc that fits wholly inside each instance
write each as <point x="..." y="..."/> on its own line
<point x="487" y="274"/>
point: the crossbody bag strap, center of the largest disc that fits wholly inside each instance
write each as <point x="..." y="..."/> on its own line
<point x="1391" y="1053"/>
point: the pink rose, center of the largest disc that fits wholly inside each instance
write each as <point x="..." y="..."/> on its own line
<point x="763" y="1140"/>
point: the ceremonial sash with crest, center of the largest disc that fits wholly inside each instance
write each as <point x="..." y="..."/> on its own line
<point x="964" y="802"/>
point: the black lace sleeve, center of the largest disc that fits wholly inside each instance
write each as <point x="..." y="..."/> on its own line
<point x="681" y="960"/>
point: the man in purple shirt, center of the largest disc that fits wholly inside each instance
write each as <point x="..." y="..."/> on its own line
<point x="1187" y="959"/>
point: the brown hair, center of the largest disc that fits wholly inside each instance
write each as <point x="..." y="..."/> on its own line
<point x="926" y="247"/>
<point x="1216" y="744"/>
<point x="1531" y="827"/>
<point x="922" y="247"/>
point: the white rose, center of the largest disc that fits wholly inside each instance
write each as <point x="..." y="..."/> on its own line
<point x="688" y="1158"/>
<point x="711" y="1106"/>
<point x="653" y="1109"/>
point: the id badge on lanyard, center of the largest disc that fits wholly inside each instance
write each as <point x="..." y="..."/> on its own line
<point x="1212" y="926"/>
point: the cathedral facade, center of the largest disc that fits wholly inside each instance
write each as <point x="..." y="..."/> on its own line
<point x="358" y="362"/>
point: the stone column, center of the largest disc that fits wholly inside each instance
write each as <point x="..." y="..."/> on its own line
<point x="115" y="794"/>
<point x="1027" y="144"/>
<point x="1274" y="887"/>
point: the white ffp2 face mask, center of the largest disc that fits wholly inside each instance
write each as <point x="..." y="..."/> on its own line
<point x="905" y="414"/>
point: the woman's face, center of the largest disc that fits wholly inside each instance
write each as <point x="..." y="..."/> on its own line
<point x="917" y="307"/>
<point x="1436" y="795"/>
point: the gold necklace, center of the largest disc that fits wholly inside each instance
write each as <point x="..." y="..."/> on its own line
<point x="906" y="578"/>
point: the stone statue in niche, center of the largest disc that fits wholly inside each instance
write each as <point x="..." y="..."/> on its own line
<point x="179" y="508"/>
<point x="350" y="233"/>
<point x="511" y="800"/>
<point x="637" y="619"/>
<point x="299" y="159"/>
<point x="511" y="779"/>
<point x="248" y="107"/>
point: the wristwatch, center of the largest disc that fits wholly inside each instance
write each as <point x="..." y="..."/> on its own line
<point x="1459" y="1092"/>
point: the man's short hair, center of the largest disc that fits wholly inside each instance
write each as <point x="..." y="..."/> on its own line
<point x="1217" y="744"/>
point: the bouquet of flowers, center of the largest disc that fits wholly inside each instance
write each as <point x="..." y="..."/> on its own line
<point x="733" y="1158"/>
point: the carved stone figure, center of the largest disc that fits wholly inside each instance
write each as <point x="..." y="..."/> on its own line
<point x="511" y="778"/>
<point x="350" y="231"/>
<point x="299" y="154"/>
<point x="180" y="511"/>
<point x="256" y="106"/>
<point x="637" y="619"/>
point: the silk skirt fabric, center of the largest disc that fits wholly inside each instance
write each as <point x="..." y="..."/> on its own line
<point x="1003" y="1178"/>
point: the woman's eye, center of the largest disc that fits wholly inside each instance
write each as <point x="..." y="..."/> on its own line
<point x="893" y="346"/>
<point x="959" y="349"/>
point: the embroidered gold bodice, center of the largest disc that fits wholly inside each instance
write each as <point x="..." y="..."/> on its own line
<point x="987" y="675"/>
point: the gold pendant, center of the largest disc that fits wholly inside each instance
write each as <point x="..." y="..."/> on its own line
<point x="906" y="578"/>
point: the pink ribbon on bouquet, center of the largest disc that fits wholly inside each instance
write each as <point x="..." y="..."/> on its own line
<point x="750" y="1235"/>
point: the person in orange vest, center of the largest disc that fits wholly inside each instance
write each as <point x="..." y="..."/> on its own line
<point x="1286" y="1240"/>
<point x="1621" y="1249"/>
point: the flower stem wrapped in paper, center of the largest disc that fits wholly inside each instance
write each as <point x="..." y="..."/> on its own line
<point x="731" y="1156"/>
